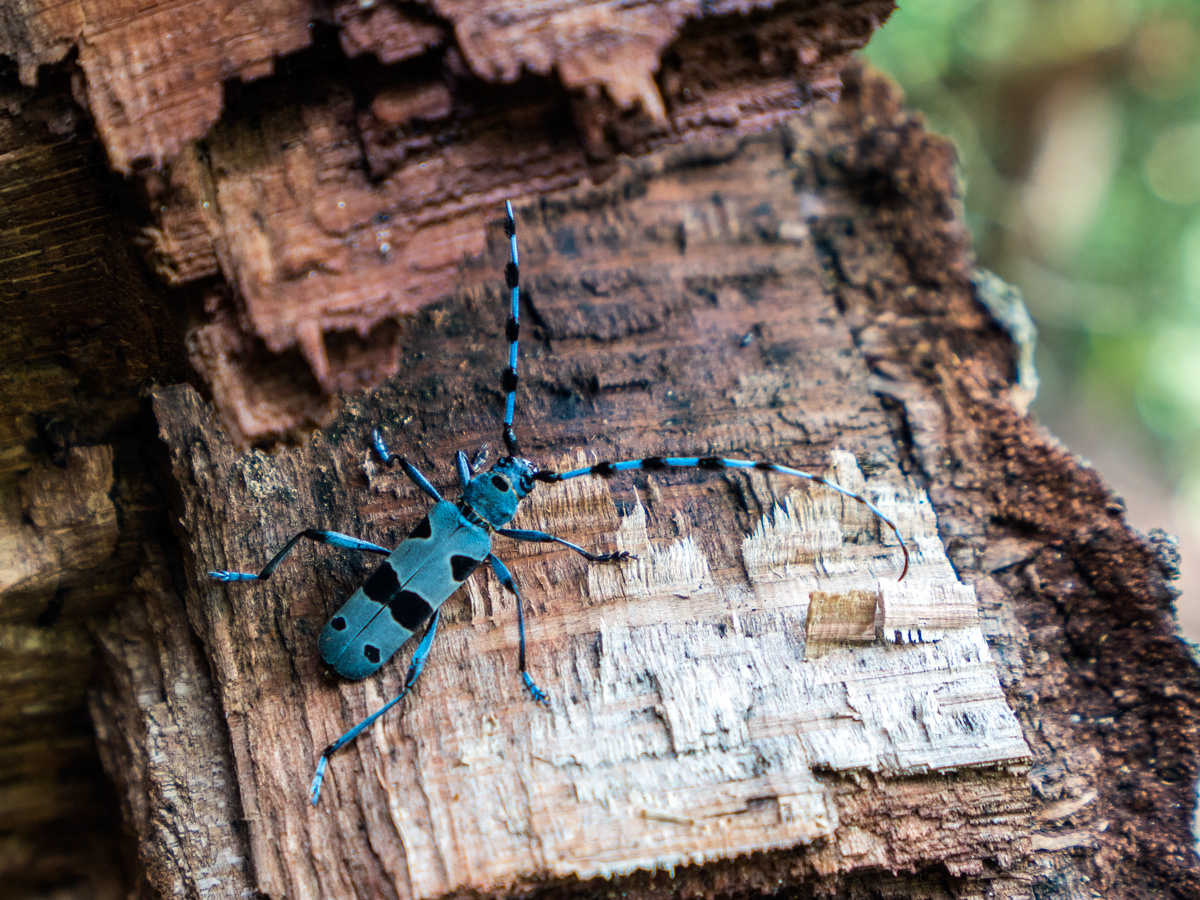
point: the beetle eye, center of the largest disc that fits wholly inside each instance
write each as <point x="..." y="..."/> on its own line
<point x="499" y="483"/>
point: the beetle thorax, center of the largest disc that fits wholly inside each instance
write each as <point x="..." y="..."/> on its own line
<point x="495" y="494"/>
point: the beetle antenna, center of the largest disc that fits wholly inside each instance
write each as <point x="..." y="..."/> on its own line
<point x="511" y="330"/>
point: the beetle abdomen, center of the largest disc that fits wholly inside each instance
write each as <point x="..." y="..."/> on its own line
<point x="430" y="564"/>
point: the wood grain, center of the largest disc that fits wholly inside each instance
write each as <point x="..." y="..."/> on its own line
<point x="687" y="722"/>
<point x="1076" y="608"/>
<point x="964" y="749"/>
<point x="147" y="89"/>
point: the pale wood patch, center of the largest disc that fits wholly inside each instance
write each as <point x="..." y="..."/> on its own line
<point x="689" y="720"/>
<point x="840" y="616"/>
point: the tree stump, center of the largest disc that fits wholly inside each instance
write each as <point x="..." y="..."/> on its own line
<point x="755" y="703"/>
<point x="720" y="709"/>
<point x="270" y="158"/>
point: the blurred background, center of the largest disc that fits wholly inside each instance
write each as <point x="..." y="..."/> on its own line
<point x="1077" y="124"/>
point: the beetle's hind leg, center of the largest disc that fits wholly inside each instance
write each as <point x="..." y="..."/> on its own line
<point x="506" y="579"/>
<point x="414" y="672"/>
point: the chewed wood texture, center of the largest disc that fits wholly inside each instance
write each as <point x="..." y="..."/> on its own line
<point x="687" y="722"/>
<point x="690" y="723"/>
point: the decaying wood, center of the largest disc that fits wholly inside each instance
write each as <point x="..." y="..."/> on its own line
<point x="312" y="210"/>
<point x="690" y="725"/>
<point x="82" y="328"/>
<point x="155" y="78"/>
<point x="1019" y="720"/>
<point x="196" y="105"/>
<point x="159" y="697"/>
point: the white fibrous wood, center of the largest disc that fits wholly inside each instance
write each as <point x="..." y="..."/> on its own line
<point x="689" y="719"/>
<point x="924" y="612"/>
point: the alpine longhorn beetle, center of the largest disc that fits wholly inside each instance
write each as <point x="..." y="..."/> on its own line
<point x="453" y="539"/>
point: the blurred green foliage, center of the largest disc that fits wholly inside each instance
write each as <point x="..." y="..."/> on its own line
<point x="1078" y="128"/>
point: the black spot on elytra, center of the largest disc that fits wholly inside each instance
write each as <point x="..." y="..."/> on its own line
<point x="372" y="654"/>
<point x="499" y="484"/>
<point x="423" y="529"/>
<point x="383" y="584"/>
<point x="462" y="566"/>
<point x="409" y="609"/>
<point x="337" y="623"/>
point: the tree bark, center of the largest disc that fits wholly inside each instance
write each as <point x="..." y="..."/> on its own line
<point x="754" y="703"/>
<point x="270" y="157"/>
<point x="699" y="711"/>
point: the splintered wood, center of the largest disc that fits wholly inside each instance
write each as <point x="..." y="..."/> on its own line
<point x="689" y="721"/>
<point x="732" y="691"/>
